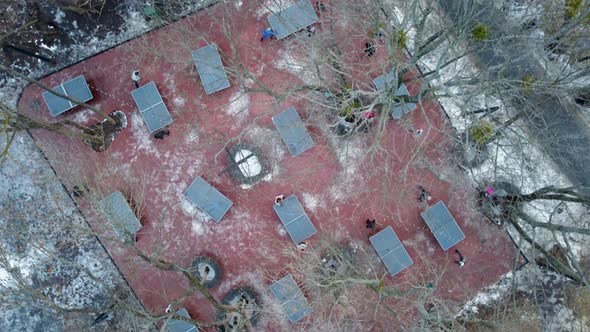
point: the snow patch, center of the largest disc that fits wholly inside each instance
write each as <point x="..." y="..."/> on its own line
<point x="47" y="47"/>
<point x="300" y="67"/>
<point x="489" y="294"/>
<point x="197" y="227"/>
<point x="246" y="186"/>
<point x="268" y="140"/>
<point x="141" y="134"/>
<point x="6" y="280"/>
<point x="238" y="106"/>
<point x="59" y="15"/>
<point x="311" y="202"/>
<point x="188" y="207"/>
<point x="82" y="116"/>
<point x="179" y="101"/>
<point x="350" y="154"/>
<point x="122" y="118"/>
<point x="271" y="6"/>
<point x="198" y="217"/>
<point x="281" y="230"/>
<point x="192" y="136"/>
<point x="249" y="168"/>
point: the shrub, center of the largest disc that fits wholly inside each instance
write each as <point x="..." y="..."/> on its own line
<point x="572" y="8"/>
<point x="527" y="82"/>
<point x="481" y="32"/>
<point x="401" y="38"/>
<point x="151" y="12"/>
<point x="349" y="109"/>
<point x="578" y="299"/>
<point x="482" y="133"/>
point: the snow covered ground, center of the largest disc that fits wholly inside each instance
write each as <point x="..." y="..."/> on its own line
<point x="48" y="246"/>
<point x="46" y="243"/>
<point x="514" y="158"/>
<point x="30" y="188"/>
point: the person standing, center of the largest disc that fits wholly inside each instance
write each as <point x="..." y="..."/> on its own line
<point x="161" y="134"/>
<point x="371" y="224"/>
<point x="369" y="49"/>
<point x="424" y="195"/>
<point x="268" y="33"/>
<point x="135" y="77"/>
<point x="461" y="260"/>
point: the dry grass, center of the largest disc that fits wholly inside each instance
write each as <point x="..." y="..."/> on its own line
<point x="578" y="299"/>
<point x="516" y="313"/>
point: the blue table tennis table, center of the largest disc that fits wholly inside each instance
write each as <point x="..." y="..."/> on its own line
<point x="175" y="325"/>
<point x="293" y="18"/>
<point x="443" y="225"/>
<point x="391" y="251"/>
<point x="210" y="68"/>
<point x="291" y="298"/>
<point x="388" y="82"/>
<point x="152" y="107"/>
<point x="295" y="219"/>
<point x="401" y="109"/>
<point x="208" y="199"/>
<point x="293" y="131"/>
<point x="119" y="214"/>
<point x="76" y="88"/>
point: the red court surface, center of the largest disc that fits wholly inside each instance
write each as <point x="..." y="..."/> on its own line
<point x="340" y="182"/>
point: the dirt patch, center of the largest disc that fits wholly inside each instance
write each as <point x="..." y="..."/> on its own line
<point x="578" y="299"/>
<point x="557" y="252"/>
<point x="46" y="27"/>
<point x="105" y="131"/>
<point x="244" y="298"/>
<point x="206" y="270"/>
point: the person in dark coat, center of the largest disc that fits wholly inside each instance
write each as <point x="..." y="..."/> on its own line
<point x="369" y="49"/>
<point x="161" y="134"/>
<point x="461" y="260"/>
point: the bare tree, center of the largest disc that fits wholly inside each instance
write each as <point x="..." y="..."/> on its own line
<point x="443" y="57"/>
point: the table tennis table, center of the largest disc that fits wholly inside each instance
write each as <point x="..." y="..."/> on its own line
<point x="391" y="251"/>
<point x="291" y="298"/>
<point x="388" y="82"/>
<point x="293" y="131"/>
<point x="208" y="199"/>
<point x="152" y="107"/>
<point x="401" y="109"/>
<point x="443" y="225"/>
<point x="175" y="325"/>
<point x="119" y="214"/>
<point x="293" y="18"/>
<point x="76" y="88"/>
<point x="295" y="219"/>
<point x="210" y="68"/>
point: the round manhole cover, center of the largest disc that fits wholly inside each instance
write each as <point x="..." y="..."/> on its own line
<point x="249" y="165"/>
